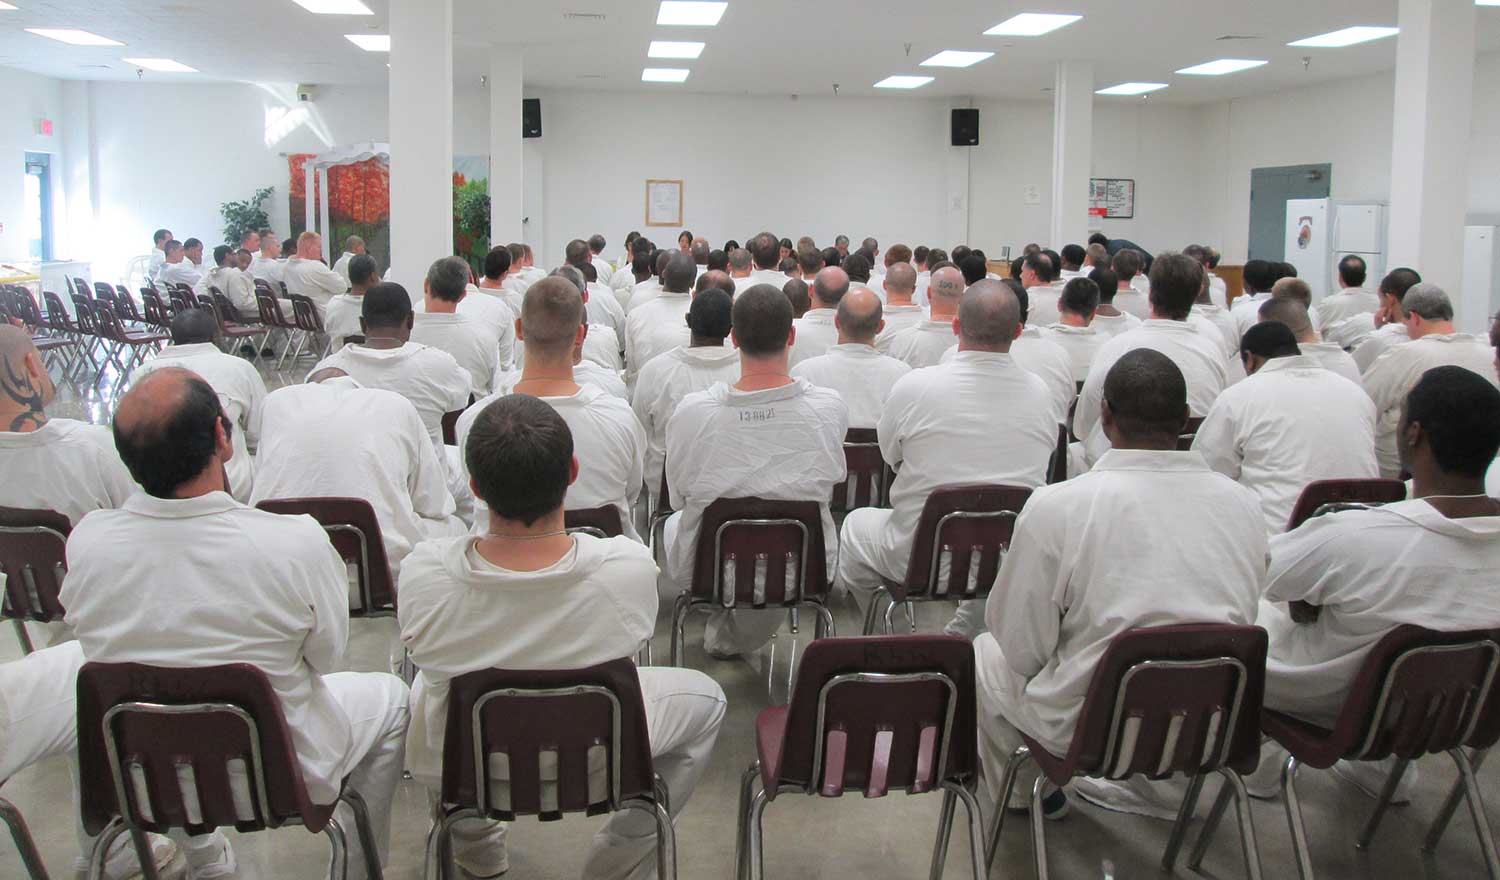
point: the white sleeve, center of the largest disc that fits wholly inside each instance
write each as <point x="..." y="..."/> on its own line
<point x="1218" y="442"/>
<point x="430" y="497"/>
<point x="327" y="588"/>
<point x="1023" y="612"/>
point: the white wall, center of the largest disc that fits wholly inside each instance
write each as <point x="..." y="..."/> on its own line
<point x="25" y="98"/>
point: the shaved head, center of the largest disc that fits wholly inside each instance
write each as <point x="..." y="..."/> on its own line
<point x="679" y="273"/>
<point x="859" y="316"/>
<point x="901" y="278"/>
<point x="715" y="279"/>
<point x="989" y="316"/>
<point x="1292" y="313"/>
<point x="830" y="286"/>
<point x="944" y="290"/>
<point x="192" y="326"/>
<point x="25" y="386"/>
<point x="551" y="314"/>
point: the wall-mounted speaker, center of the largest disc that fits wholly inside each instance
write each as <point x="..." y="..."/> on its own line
<point x="965" y="127"/>
<point x="531" y="118"/>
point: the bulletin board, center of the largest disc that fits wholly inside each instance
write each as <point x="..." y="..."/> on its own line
<point x="664" y="203"/>
<point x="1112" y="198"/>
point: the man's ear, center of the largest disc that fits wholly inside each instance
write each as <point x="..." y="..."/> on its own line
<point x="223" y="434"/>
<point x="734" y="337"/>
<point x="573" y="471"/>
<point x="411" y="320"/>
<point x="791" y="336"/>
<point x="520" y="334"/>
<point x="1106" y="415"/>
<point x="583" y="332"/>
<point x="956" y="328"/>
<point x="879" y="327"/>
<point x="1020" y="328"/>
<point x="362" y="328"/>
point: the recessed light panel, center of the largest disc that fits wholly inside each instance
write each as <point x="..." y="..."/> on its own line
<point x="664" y="74"/>
<point x="1346" y="37"/>
<point x="670" y="49"/>
<point x="161" y="65"/>
<point x="903" y="82"/>
<point x="6" y="6"/>
<point x="371" y="42"/>
<point x="1221" y="67"/>
<point x="334" y="7"/>
<point x="690" y="13"/>
<point x="958" y="58"/>
<point x="1131" y="88"/>
<point x="1031" y="24"/>
<point x="73" y="37"/>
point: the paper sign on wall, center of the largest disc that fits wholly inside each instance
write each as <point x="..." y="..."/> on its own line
<point x="1112" y="198"/>
<point x="1031" y="194"/>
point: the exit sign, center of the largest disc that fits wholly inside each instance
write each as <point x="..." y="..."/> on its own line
<point x="44" y="127"/>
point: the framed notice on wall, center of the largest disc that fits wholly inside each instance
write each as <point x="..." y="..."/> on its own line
<point x="663" y="203"/>
<point x="1112" y="198"/>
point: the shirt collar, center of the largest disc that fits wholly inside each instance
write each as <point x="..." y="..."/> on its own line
<point x="819" y="316"/>
<point x="854" y="349"/>
<point x="1298" y="362"/>
<point x="1150" y="460"/>
<point x="797" y="388"/>
<point x="191" y="350"/>
<point x="181" y="508"/>
<point x="982" y="358"/>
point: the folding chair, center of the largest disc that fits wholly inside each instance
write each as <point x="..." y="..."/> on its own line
<point x="870" y="714"/>
<point x="1418" y="692"/>
<point x="601" y="522"/>
<point x="33" y="558"/>
<point x="1328" y="496"/>
<point x="547" y="743"/>
<point x="957" y="549"/>
<point x="1057" y="469"/>
<point x="355" y="534"/>
<point x="31" y="857"/>
<point x="125" y="306"/>
<point x="158" y="313"/>
<point x="61" y="326"/>
<point x="869" y="479"/>
<point x="52" y="344"/>
<point x="756" y="553"/>
<point x="196" y="749"/>
<point x="82" y="288"/>
<point x="271" y="317"/>
<point x="230" y="327"/>
<point x="309" y="321"/>
<point x="104" y="292"/>
<point x="90" y="335"/>
<point x="1162" y="700"/>
<point x="136" y="342"/>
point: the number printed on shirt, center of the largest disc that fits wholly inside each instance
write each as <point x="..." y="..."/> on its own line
<point x="757" y="415"/>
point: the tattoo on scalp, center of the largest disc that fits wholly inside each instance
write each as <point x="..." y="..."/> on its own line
<point x="18" y="387"/>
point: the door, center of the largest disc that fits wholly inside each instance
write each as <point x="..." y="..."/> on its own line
<point x="1270" y="190"/>
<point x="38" y="200"/>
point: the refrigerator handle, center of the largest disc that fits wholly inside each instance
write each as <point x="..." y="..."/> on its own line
<point x="1333" y="231"/>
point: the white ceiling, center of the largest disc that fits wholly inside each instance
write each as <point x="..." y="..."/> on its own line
<point x="760" y="46"/>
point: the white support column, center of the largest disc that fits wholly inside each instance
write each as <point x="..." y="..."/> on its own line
<point x="1072" y="151"/>
<point x="1430" y="152"/>
<point x="76" y="176"/>
<point x="505" y="145"/>
<point x="421" y="114"/>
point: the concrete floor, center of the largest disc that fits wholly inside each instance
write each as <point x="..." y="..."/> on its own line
<point x="808" y="837"/>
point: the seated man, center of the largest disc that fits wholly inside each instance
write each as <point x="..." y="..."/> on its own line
<point x="798" y="293"/>
<point x="603" y="309"/>
<point x="238" y="383"/>
<point x="611" y="444"/>
<point x="354" y="246"/>
<point x="923" y="344"/>
<point x="236" y="286"/>
<point x="498" y="279"/>
<point x="1434" y="342"/>
<point x="265" y="264"/>
<point x="815" y="331"/>
<point x="944" y="425"/>
<point x="1352" y="300"/>
<point x="1290" y="423"/>
<point x="176" y="269"/>
<point x="305" y="274"/>
<point x="1368" y="338"/>
<point x="662" y="384"/>
<point x="1126" y="265"/>
<point x="766" y="436"/>
<point x="442" y="326"/>
<point x="655" y="326"/>
<point x="330" y="438"/>
<point x="341" y="320"/>
<point x="1076" y="308"/>
<point x="50" y="464"/>
<point x="1260" y="277"/>
<point x="1342" y="581"/>
<point x="601" y="346"/>
<point x="1108" y="319"/>
<point x="565" y="602"/>
<point x="862" y="376"/>
<point x="1036" y="353"/>
<point x="1149" y="537"/>
<point x="899" y="285"/>
<point x="1328" y="355"/>
<point x="256" y="588"/>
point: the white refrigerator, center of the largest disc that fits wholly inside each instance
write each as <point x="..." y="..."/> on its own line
<point x="1480" y="296"/>
<point x="1321" y="232"/>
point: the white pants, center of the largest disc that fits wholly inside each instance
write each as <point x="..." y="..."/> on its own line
<point x="867" y="561"/>
<point x="727" y="632"/>
<point x="1003" y="713"/>
<point x="684" y="709"/>
<point x="376" y="705"/>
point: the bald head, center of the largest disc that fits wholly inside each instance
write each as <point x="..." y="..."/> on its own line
<point x="901" y="279"/>
<point x="1292" y="313"/>
<point x="551" y="313"/>
<point x="859" y="316"/>
<point x="829" y="287"/>
<point x="944" y="290"/>
<point x="193" y="326"/>
<point x="170" y="431"/>
<point x="714" y="279"/>
<point x="989" y="317"/>
<point x="15" y="345"/>
<point x="25" y="386"/>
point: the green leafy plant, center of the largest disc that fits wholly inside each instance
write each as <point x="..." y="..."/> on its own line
<point x="242" y="217"/>
<point x="471" y="221"/>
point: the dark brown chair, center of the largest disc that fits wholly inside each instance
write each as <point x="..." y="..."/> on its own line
<point x="757" y="553"/>
<point x="31" y="857"/>
<point x="355" y="533"/>
<point x="548" y="728"/>
<point x="1328" y="496"/>
<point x="601" y="522"/>
<point x="138" y="343"/>
<point x="158" y="313"/>
<point x="104" y="291"/>
<point x="273" y="318"/>
<point x="1162" y="700"/>
<point x="1057" y="469"/>
<point x="33" y="557"/>
<point x="230" y="327"/>
<point x="956" y="552"/>
<point x="872" y="715"/>
<point x="54" y="345"/>
<point x="89" y="335"/>
<point x="308" y="320"/>
<point x="1418" y="692"/>
<point x="869" y="477"/>
<point x="1189" y="433"/>
<point x="150" y="724"/>
<point x="57" y="321"/>
<point x="182" y="299"/>
<point x="82" y="288"/>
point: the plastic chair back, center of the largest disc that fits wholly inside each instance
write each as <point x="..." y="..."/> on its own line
<point x="125" y="306"/>
<point x="103" y="291"/>
<point x="961" y="540"/>
<point x="601" y="522"/>
<point x="869" y="477"/>
<point x="307" y="316"/>
<point x="157" y="313"/>
<point x="57" y="314"/>
<point x="355" y="533"/>
<point x="270" y="309"/>
<point x="1327" y="496"/>
<point x="33" y="558"/>
<point x="83" y="309"/>
<point x="82" y="288"/>
<point x="759" y="553"/>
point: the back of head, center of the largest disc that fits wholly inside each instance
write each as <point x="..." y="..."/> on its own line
<point x="517" y="253"/>
<point x="762" y="321"/>
<point x="974" y="269"/>
<point x="164" y="429"/>
<point x="919" y="254"/>
<point x="901" y="278"/>
<point x="960" y="253"/>
<point x="1197" y="252"/>
<point x="1285" y="270"/>
<point x="1108" y="282"/>
<point x="1126" y="264"/>
<point x="1099" y="238"/>
<point x="551" y="313"/>
<point x="859" y="315"/>
<point x="810" y="261"/>
<point x="830" y="286"/>
<point x="352" y="243"/>
<point x="700" y="252"/>
<point x="713" y="279"/>
<point x="1288" y="311"/>
<point x="588" y="271"/>
<point x="1398" y="281"/>
<point x="659" y="261"/>
<point x="679" y="274"/>
<point x="362" y="270"/>
<point x="1352" y="270"/>
<point x="520" y="455"/>
<point x="946" y="285"/>
<point x="192" y="326"/>
<point x="572" y="275"/>
<point x="1459" y="412"/>
<point x="897" y="253"/>
<point x="832" y="257"/>
<point x="171" y="247"/>
<point x="1056" y="259"/>
<point x="1427" y="301"/>
<point x="597" y="243"/>
<point x="1098" y="255"/>
<point x="1293" y="288"/>
<point x="740" y="260"/>
<point x="640" y="266"/>
<point x="989" y="316"/>
<point x="159" y="236"/>
<point x="1040" y="265"/>
<point x="797" y="294"/>
<point x="710" y="315"/>
<point x="448" y="278"/>
<point x="857" y="267"/>
<point x="1023" y="298"/>
<point x="1270" y="339"/>
<point x="222" y="254"/>
<point x="935" y="256"/>
<point x="717" y="261"/>
<point x="1080" y="296"/>
<point x="1072" y="256"/>
<point x="766" y="249"/>
<point x="1147" y="396"/>
<point x="386" y="306"/>
<point x="1176" y="281"/>
<point x="576" y="251"/>
<point x="1260" y="276"/>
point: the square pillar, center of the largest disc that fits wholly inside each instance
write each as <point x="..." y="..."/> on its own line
<point x="421" y="138"/>
<point x="1072" y="152"/>
<point x="505" y="145"/>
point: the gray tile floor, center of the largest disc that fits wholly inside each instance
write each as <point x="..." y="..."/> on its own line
<point x="816" y="838"/>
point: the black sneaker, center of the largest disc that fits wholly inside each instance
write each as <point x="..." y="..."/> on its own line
<point x="1054" y="805"/>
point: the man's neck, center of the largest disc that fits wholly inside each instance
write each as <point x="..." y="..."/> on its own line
<point x="1124" y="287"/>
<point x="489" y="283"/>
<point x="744" y="274"/>
<point x="1149" y="444"/>
<point x="513" y="545"/>
<point x="667" y="290"/>
<point x="820" y="306"/>
<point x="1432" y="328"/>
<point x="1108" y="310"/>
<point x="760" y="374"/>
<point x="943" y="314"/>
<point x="867" y="343"/>
<point x="898" y="299"/>
<point x="696" y="341"/>
<point x="967" y="345"/>
<point x="546" y="375"/>
<point x="1311" y="337"/>
<point x="1071" y="319"/>
<point x="1453" y="495"/>
<point x="358" y="291"/>
<point x="439" y="306"/>
<point x="382" y="338"/>
<point x="212" y="479"/>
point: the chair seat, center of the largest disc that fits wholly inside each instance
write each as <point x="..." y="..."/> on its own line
<point x="143" y="337"/>
<point x="50" y="343"/>
<point x="770" y="730"/>
<point x="1312" y="745"/>
<point x="1057" y="770"/>
<point x="240" y="330"/>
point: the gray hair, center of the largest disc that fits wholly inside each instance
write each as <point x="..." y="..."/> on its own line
<point x="739" y="259"/>
<point x="573" y="276"/>
<point x="1429" y="301"/>
<point x="448" y="278"/>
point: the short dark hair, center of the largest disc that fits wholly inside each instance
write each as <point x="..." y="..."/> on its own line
<point x="1459" y="411"/>
<point x="857" y="267"/>
<point x="173" y="447"/>
<point x="919" y="253"/>
<point x="387" y="304"/>
<point x="1270" y="339"/>
<point x="1126" y="264"/>
<point x="796" y="294"/>
<point x="766" y="249"/>
<point x="1285" y="270"/>
<point x="1040" y="264"/>
<point x="1147" y="394"/>
<point x="1056" y="259"/>
<point x="597" y="242"/>
<point x="1099" y="238"/>
<point x="520" y="455"/>
<point x="192" y="326"/>
<point x="576" y="251"/>
<point x="1108" y="282"/>
<point x="1398" y="281"/>
<point x="1022" y="296"/>
<point x="192" y="242"/>
<point x="1176" y="281"/>
<point x="448" y="278"/>
<point x="959" y="253"/>
<point x="711" y="314"/>
<point x="160" y="235"/>
<point x="679" y="273"/>
<point x="717" y="260"/>
<point x="832" y="257"/>
<point x="936" y="255"/>
<point x="171" y="245"/>
<point x="1072" y="255"/>
<point x="496" y="263"/>
<point x="1080" y="296"/>
<point x="762" y="320"/>
<point x="362" y="269"/>
<point x="810" y="260"/>
<point x="1352" y="270"/>
<point x="1260" y="276"/>
<point x="222" y="253"/>
<point x="974" y="269"/>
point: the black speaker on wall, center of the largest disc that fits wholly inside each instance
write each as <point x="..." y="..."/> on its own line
<point x="531" y="117"/>
<point x="966" y="127"/>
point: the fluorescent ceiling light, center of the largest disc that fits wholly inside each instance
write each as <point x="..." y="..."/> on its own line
<point x="1131" y="89"/>
<point x="1221" y="67"/>
<point x="162" y="65"/>
<point x="334" y="7"/>
<point x="1031" y="24"/>
<point x="6" y="6"/>
<point x="664" y="74"/>
<point x="371" y="42"/>
<point x="903" y="82"/>
<point x="958" y="58"/>
<point x="690" y="13"/>
<point x="1347" y="37"/>
<point x="669" y="49"/>
<point x="73" y="37"/>
<point x="1476" y="3"/>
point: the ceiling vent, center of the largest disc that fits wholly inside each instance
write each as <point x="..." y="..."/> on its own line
<point x="589" y="76"/>
<point x="594" y="17"/>
<point x="1236" y="37"/>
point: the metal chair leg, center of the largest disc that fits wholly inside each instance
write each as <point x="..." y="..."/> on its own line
<point x="22" y="635"/>
<point x="757" y="835"/>
<point x="872" y="613"/>
<point x="1294" y="818"/>
<point x="102" y="845"/>
<point x="338" y="866"/>
<point x="666" y="845"/>
<point x="976" y="830"/>
<point x="826" y="628"/>
<point x="1007" y="785"/>
<point x="1038" y="828"/>
<point x="143" y="854"/>
<point x="1450" y="805"/>
<point x="944" y="832"/>
<point x="679" y="619"/>
<point x="1382" y="804"/>
<point x="1247" y="823"/>
<point x="1210" y="824"/>
<point x="31" y="859"/>
<point x="742" y="823"/>
<point x="1476" y="810"/>
<point x="890" y="619"/>
<point x="432" y="868"/>
<point x="366" y="834"/>
<point x="1179" y="828"/>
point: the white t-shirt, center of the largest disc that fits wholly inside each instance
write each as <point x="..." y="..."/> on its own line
<point x="655" y="327"/>
<point x="341" y="318"/>
<point x="1081" y="344"/>
<point x="897" y="318"/>
<point x="472" y="344"/>
<point x="664" y="382"/>
<point x="923" y="344"/>
<point x="1334" y="359"/>
<point x="862" y="376"/>
<point x="816" y="334"/>
<point x="66" y="466"/>
<point x="1134" y="303"/>
<point x="1348" y="303"/>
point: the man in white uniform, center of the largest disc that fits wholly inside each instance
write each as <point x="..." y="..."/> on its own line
<point x="341" y="319"/>
<point x="704" y="362"/>
<point x="354" y="246"/>
<point x="1037" y="275"/>
<point x="603" y="309"/>
<point x="1149" y="537"/>
<point x="1327" y="355"/>
<point x="1389" y="323"/>
<point x="265" y="265"/>
<point x="766" y="436"/>
<point x="979" y="419"/>
<point x="1352" y="300"/>
<point x="923" y="345"/>
<point x="1036" y="353"/>
<point x="1290" y="423"/>
<point x="306" y="275"/>
<point x="235" y="285"/>
<point x="240" y="388"/>
<point x="442" y="326"/>
<point x="1126" y="265"/>
<point x="657" y="326"/>
<point x="602" y="345"/>
<point x="1076" y="308"/>
<point x="765" y="253"/>
<point x="650" y="286"/>
<point x="330" y="438"/>
<point x="256" y="588"/>
<point x="605" y="271"/>
<point x="1434" y="342"/>
<point x="497" y="274"/>
<point x="1109" y="320"/>
<point x="176" y="269"/>
<point x="898" y="286"/>
<point x="567" y="602"/>
<point x="815" y="331"/>
<point x="1175" y="282"/>
<point x="1344" y="580"/>
<point x="158" y="253"/>
<point x="862" y="376"/>
<point x="1260" y="276"/>
<point x="1073" y="258"/>
<point x="610" y="441"/>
